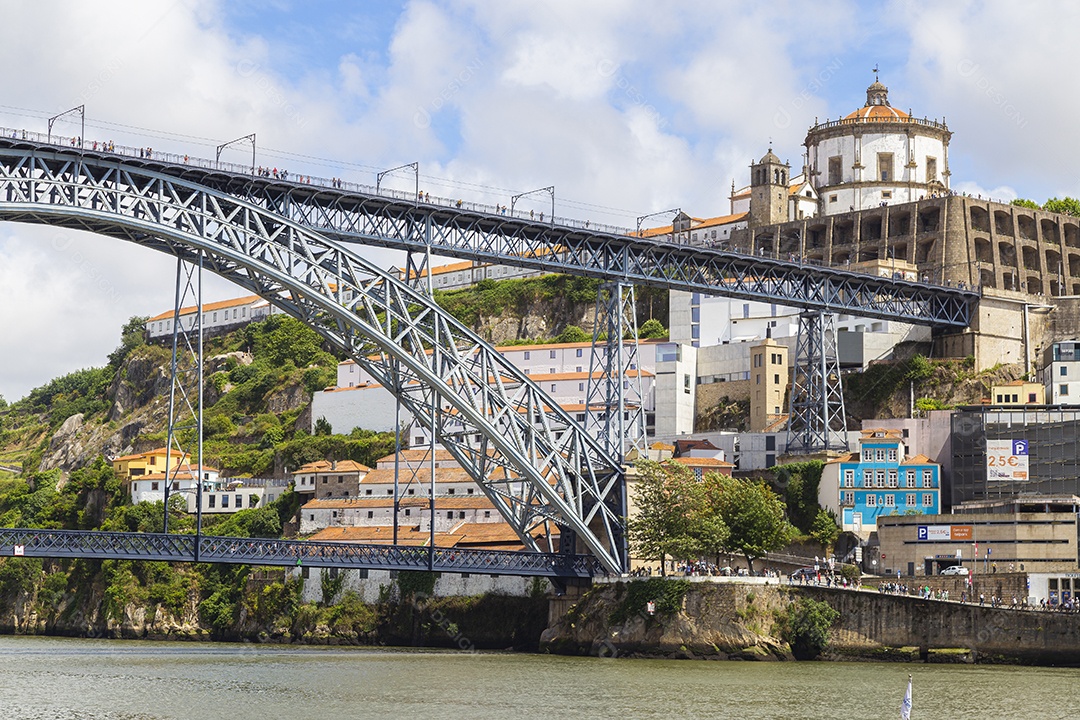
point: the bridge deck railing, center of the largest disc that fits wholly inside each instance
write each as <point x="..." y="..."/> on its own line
<point x="32" y="542"/>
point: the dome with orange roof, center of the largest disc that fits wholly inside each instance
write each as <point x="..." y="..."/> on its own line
<point x="877" y="106"/>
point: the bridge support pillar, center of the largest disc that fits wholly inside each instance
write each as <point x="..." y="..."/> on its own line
<point x="817" y="421"/>
<point x="615" y="412"/>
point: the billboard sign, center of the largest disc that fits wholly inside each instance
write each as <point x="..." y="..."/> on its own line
<point x="944" y="533"/>
<point x="1007" y="461"/>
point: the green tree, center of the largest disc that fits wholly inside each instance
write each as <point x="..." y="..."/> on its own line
<point x="132" y="335"/>
<point x="806" y="628"/>
<point x="798" y="484"/>
<point x="754" y="516"/>
<point x="825" y="530"/>
<point x="573" y="334"/>
<point x="667" y="507"/>
<point x="1065" y="206"/>
<point x="651" y="329"/>
<point x="323" y="427"/>
<point x="1025" y="203"/>
<point x="3" y="403"/>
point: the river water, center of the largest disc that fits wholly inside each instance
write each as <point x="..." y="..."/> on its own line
<point x="67" y="679"/>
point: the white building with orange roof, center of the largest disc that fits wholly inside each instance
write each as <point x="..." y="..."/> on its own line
<point x="378" y="511"/>
<point x="329" y="478"/>
<point x="184" y="478"/>
<point x="217" y="316"/>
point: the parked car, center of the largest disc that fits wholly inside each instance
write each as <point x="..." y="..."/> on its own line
<point x="955" y="570"/>
<point x="804" y="572"/>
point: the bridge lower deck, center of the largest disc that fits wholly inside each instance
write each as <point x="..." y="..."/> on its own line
<point x="29" y="542"/>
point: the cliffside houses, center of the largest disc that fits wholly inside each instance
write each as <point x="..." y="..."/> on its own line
<point x="145" y="474"/>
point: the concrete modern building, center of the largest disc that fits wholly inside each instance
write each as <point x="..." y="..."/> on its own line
<point x="1060" y="373"/>
<point x="1011" y="537"/>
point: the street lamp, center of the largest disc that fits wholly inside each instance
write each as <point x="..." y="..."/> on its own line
<point x="653" y="214"/>
<point x="247" y="138"/>
<point x="82" y="114"/>
<point x="550" y="189"/>
<point x="416" y="173"/>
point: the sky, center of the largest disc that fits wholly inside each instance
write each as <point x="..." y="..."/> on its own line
<point x="627" y="107"/>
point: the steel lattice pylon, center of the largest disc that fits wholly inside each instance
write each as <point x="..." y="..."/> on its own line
<point x="614" y="402"/>
<point x="817" y="421"/>
<point x="535" y="475"/>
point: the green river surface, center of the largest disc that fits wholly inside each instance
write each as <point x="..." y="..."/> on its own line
<point x="69" y="679"/>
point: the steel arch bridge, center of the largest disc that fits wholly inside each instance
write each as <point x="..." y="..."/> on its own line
<point x="535" y="464"/>
<point x="292" y="242"/>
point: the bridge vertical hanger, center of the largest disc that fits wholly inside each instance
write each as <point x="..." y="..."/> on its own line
<point x="188" y="385"/>
<point x="550" y="189"/>
<point x="817" y="420"/>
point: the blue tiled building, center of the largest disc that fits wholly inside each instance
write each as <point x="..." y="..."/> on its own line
<point x="879" y="480"/>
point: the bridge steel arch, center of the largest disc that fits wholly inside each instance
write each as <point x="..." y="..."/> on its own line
<point x="536" y="465"/>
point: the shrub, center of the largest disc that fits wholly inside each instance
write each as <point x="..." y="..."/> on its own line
<point x="806" y="628"/>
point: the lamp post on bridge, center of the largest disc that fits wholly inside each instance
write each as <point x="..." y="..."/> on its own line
<point x="246" y="139"/>
<point x="550" y="189"/>
<point x="81" y="109"/>
<point x="416" y="172"/>
<point x="676" y="211"/>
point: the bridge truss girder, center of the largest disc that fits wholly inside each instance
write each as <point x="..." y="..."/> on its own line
<point x="407" y="224"/>
<point x="817" y="421"/>
<point x="532" y="461"/>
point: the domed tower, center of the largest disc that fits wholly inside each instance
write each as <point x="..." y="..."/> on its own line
<point x="769" y="190"/>
<point x="877" y="155"/>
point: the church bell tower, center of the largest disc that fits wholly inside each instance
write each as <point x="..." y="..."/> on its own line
<point x="769" y="180"/>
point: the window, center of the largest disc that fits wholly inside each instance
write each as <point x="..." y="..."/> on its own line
<point x="224" y="501"/>
<point x="526" y="354"/>
<point x="879" y="455"/>
<point x="849" y="498"/>
<point x="469" y="491"/>
<point x="1064" y="390"/>
<point x="450" y="491"/>
<point x="776" y="379"/>
<point x="885" y="166"/>
<point x="886" y="195"/>
<point x="581" y="387"/>
<point x="892" y="479"/>
<point x="928" y="478"/>
<point x="238" y="501"/>
<point x="890" y="500"/>
<point x="928" y="499"/>
<point x="449" y="514"/>
<point x="408" y="511"/>
<point x="213" y="498"/>
<point x="461" y="515"/>
<point x="867" y="454"/>
<point x="832" y="198"/>
<point x="1031" y="397"/>
<point x="879" y="479"/>
<point x="370" y="514"/>
<point x="849" y="478"/>
<point x="836" y="170"/>
<point x="487" y="513"/>
<point x="909" y="499"/>
<point x="551" y="354"/>
<point x="368" y="491"/>
<point x="871" y="501"/>
<point x="911" y="478"/>
<point x="892" y="454"/>
<point x="341" y="479"/>
<point x="153" y="486"/>
<point x="578" y="353"/>
<point x="552" y="387"/>
<point x="931" y="169"/>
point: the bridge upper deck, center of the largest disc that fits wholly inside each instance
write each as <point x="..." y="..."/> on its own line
<point x="367" y="215"/>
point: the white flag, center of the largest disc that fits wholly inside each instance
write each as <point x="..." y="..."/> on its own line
<point x="905" y="705"/>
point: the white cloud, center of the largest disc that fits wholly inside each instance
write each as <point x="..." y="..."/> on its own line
<point x="626" y="107"/>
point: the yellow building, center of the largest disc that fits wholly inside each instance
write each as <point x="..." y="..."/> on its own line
<point x="1018" y="392"/>
<point x="152" y="461"/>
